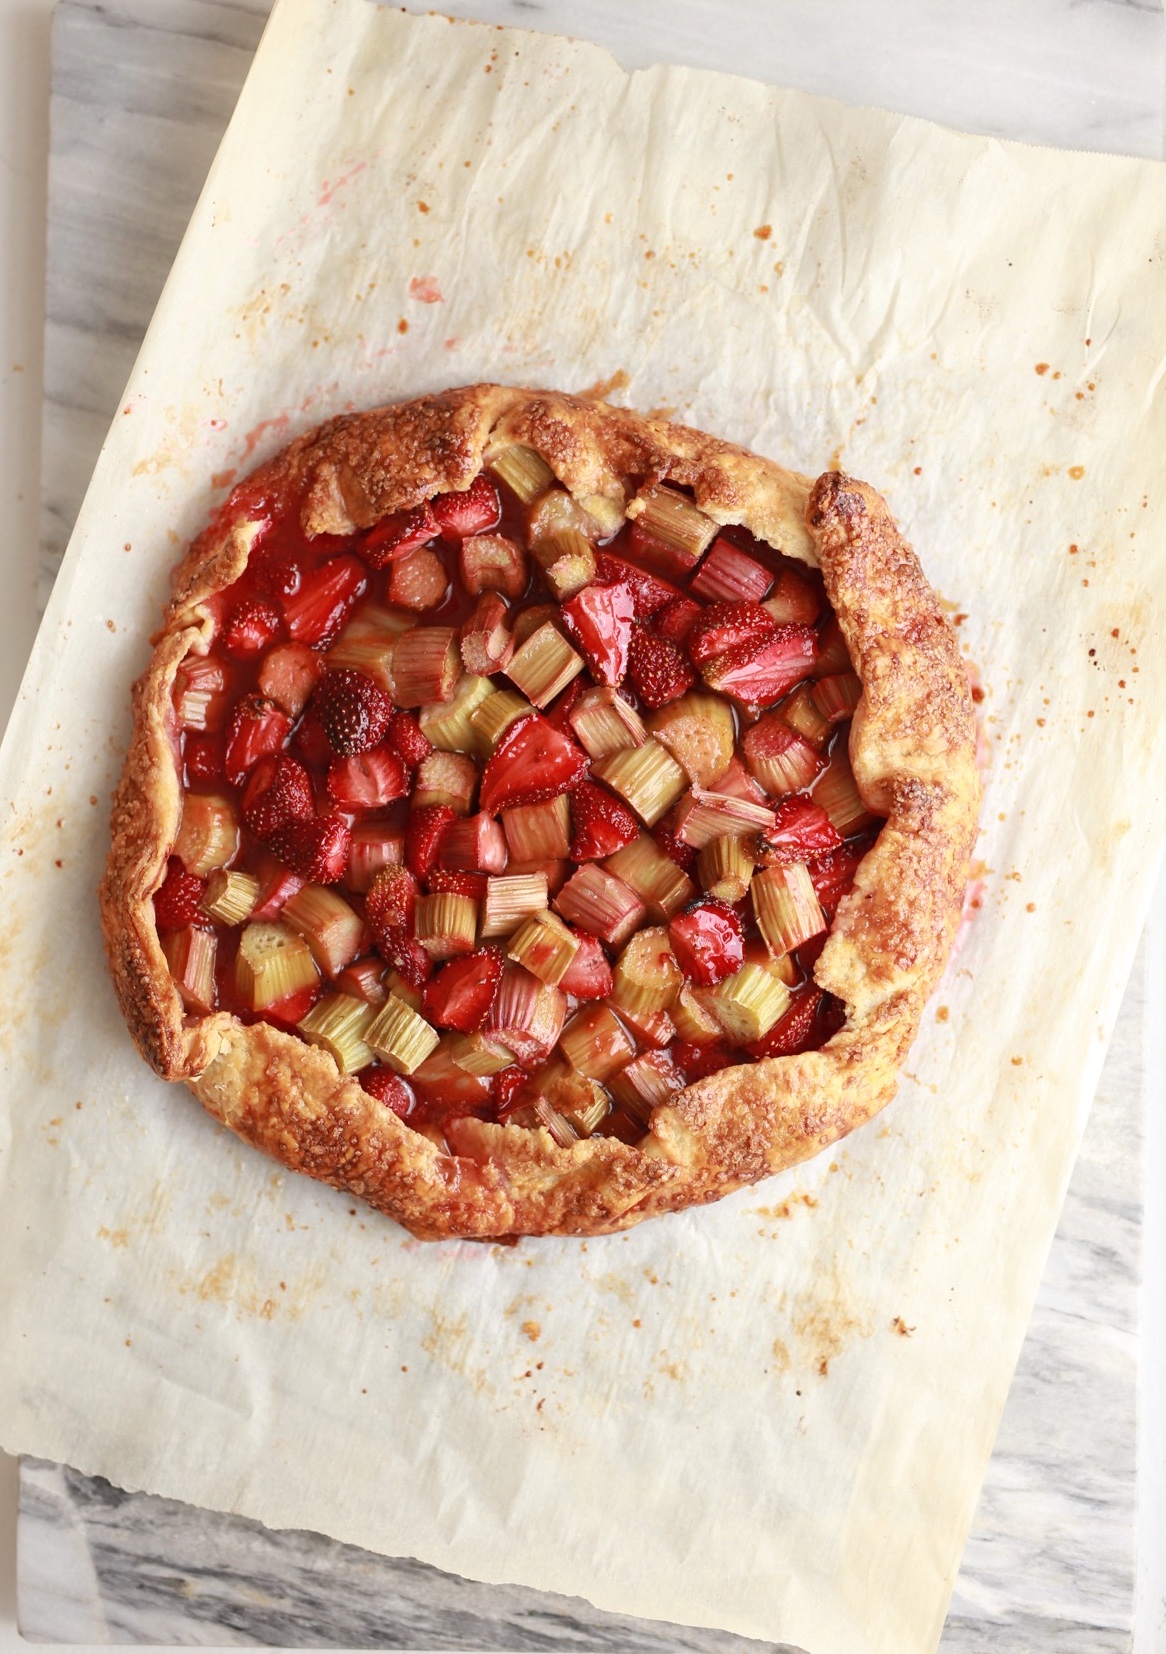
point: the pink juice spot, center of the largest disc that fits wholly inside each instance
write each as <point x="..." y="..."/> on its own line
<point x="425" y="290"/>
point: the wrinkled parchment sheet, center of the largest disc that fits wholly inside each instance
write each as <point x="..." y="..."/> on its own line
<point x="771" y="1415"/>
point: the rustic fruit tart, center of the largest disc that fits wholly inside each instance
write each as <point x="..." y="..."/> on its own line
<point x="539" y="817"/>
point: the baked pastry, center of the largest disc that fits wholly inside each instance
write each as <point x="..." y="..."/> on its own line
<point x="539" y="817"/>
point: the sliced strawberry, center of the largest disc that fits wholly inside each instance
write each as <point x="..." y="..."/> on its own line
<point x="406" y="955"/>
<point x="204" y="757"/>
<point x="317" y="612"/>
<point x="277" y="571"/>
<point x="763" y="671"/>
<point x="354" y="711"/>
<point x="368" y="781"/>
<point x="676" y="619"/>
<point x="292" y="1009"/>
<point x="589" y="973"/>
<point x="445" y="880"/>
<point x="649" y="592"/>
<point x="427" y="827"/>
<point x="533" y="761"/>
<point x="707" y="941"/>
<point x="658" y="669"/>
<point x="682" y="854"/>
<point x="419" y="580"/>
<point x="725" y="626"/>
<point x="317" y="850"/>
<point x="388" y="1088"/>
<point x="601" y="823"/>
<point x="278" y="791"/>
<point x="801" y="831"/>
<point x="504" y="1086"/>
<point x="833" y="874"/>
<point x="277" y="885"/>
<point x="559" y="712"/>
<point x="406" y="739"/>
<point x="178" y="899"/>
<point x="696" y="1062"/>
<point x="813" y="1017"/>
<point x="251" y="625"/>
<point x="390" y="901"/>
<point x="310" y="743"/>
<point x="462" y="992"/>
<point x="599" y="618"/>
<point x="256" y="727"/>
<point x="472" y="511"/>
<point x="398" y="534"/>
<point x="288" y="675"/>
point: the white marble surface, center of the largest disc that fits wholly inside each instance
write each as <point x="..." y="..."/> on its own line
<point x="143" y="89"/>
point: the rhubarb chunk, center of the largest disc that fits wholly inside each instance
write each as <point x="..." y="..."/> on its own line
<point x="272" y="964"/>
<point x="730" y="575"/>
<point x="605" y="723"/>
<point x="539" y="832"/>
<point x="337" y="1024"/>
<point x="545" y="947"/>
<point x="400" y="1037"/>
<point x="786" y="907"/>
<point x="190" y="954"/>
<point x="331" y="929"/>
<point x="698" y="731"/>
<point x="208" y="835"/>
<point x="544" y="665"/>
<point x="493" y="563"/>
<point x="511" y="900"/>
<point x="647" y="977"/>
<point x="648" y="778"/>
<point x="601" y="904"/>
<point x="669" y="530"/>
<point x="426" y="665"/>
<point x="595" y="1044"/>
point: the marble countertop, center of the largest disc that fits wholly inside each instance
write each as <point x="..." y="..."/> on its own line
<point x="1051" y="1560"/>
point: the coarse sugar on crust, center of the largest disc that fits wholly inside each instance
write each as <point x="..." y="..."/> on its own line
<point x="912" y="750"/>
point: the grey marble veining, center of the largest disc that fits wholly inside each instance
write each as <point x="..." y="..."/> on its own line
<point x="142" y="90"/>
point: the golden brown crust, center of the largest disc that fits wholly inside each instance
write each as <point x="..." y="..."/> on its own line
<point x="913" y="753"/>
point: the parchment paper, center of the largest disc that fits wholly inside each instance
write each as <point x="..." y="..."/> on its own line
<point x="771" y="1415"/>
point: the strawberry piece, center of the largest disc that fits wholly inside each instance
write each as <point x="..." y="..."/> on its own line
<point x="504" y="1086"/>
<point x="832" y="875"/>
<point x="406" y="739"/>
<point x="251" y="625"/>
<point x="682" y="854"/>
<point x="354" y="711"/>
<point x="388" y="1088"/>
<point x="602" y="824"/>
<point x="657" y="668"/>
<point x="367" y="781"/>
<point x="725" y="626"/>
<point x="292" y="1008"/>
<point x="813" y="1017"/>
<point x="317" y="850"/>
<point x="472" y="511"/>
<point x="462" y="992"/>
<point x="793" y="598"/>
<point x="418" y="580"/>
<point x="560" y="710"/>
<point x="178" y="899"/>
<point x="649" y="592"/>
<point x="763" y="671"/>
<point x="256" y="727"/>
<point x="696" y="1062"/>
<point x="801" y="830"/>
<point x="676" y="619"/>
<point x="397" y="535"/>
<point x="204" y="757"/>
<point x="406" y="955"/>
<point x="707" y="941"/>
<point x="316" y="614"/>
<point x="599" y="618"/>
<point x="310" y="742"/>
<point x="277" y="571"/>
<point x="533" y="762"/>
<point x="288" y="675"/>
<point x="427" y="827"/>
<point x="278" y="792"/>
<point x="277" y="885"/>
<point x="448" y="881"/>
<point x="589" y="973"/>
<point x="390" y="901"/>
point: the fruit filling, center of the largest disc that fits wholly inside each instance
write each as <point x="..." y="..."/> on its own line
<point x="518" y="806"/>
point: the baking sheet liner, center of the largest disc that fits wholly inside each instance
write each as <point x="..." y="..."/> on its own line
<point x="771" y="1415"/>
